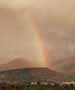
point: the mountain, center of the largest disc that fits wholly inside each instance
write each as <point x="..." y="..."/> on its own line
<point x="31" y="74"/>
<point x="19" y="69"/>
<point x="15" y="64"/>
<point x="66" y="66"/>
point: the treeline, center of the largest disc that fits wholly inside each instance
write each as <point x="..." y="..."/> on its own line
<point x="5" y="86"/>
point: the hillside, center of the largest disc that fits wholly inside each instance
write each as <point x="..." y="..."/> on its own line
<point x="31" y="74"/>
<point x="66" y="66"/>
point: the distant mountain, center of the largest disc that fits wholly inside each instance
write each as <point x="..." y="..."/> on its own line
<point x="31" y="74"/>
<point x="15" y="64"/>
<point x="66" y="66"/>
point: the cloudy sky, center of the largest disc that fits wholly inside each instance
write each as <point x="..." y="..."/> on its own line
<point x="55" y="19"/>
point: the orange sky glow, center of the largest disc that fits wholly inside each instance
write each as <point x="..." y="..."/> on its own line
<point x="38" y="30"/>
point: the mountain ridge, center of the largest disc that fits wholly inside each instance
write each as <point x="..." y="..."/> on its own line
<point x="31" y="74"/>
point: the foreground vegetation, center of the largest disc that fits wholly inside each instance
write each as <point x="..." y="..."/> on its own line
<point x="5" y="86"/>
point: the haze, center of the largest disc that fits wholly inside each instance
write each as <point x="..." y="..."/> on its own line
<point x="55" y="20"/>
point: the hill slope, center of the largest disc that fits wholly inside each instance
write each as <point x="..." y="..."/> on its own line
<point x="66" y="66"/>
<point x="31" y="74"/>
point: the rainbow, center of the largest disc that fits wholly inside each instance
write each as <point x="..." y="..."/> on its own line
<point x="40" y="51"/>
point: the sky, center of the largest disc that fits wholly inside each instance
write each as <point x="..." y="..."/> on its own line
<point x="54" y="19"/>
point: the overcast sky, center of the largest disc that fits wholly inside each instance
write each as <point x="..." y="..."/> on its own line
<point x="55" y="20"/>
